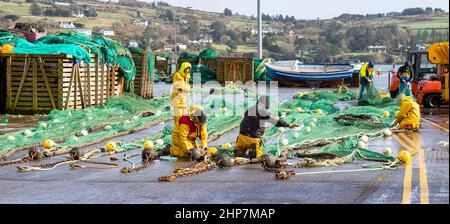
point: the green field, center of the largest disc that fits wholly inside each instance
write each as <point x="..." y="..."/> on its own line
<point x="108" y="15"/>
<point x="246" y="48"/>
<point x="219" y="47"/>
<point x="15" y="9"/>
<point x="359" y="53"/>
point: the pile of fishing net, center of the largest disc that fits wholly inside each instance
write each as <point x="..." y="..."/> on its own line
<point x="327" y="128"/>
<point x="25" y="47"/>
<point x="79" y="46"/>
<point x="261" y="73"/>
<point x="69" y="127"/>
<point x="327" y="125"/>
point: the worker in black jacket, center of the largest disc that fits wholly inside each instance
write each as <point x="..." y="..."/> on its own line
<point x="253" y="127"/>
<point x="406" y="75"/>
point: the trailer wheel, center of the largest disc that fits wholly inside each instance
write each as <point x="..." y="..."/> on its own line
<point x="432" y="101"/>
<point x="393" y="93"/>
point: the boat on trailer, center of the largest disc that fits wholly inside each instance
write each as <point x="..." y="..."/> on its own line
<point x="297" y="71"/>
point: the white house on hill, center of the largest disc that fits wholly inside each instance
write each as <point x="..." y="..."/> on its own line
<point x="67" y="25"/>
<point x="106" y="32"/>
<point x="84" y="31"/>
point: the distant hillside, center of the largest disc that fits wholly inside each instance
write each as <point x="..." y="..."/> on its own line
<point x="234" y="35"/>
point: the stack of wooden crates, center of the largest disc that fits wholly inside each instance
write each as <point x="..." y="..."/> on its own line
<point x="143" y="82"/>
<point x="227" y="69"/>
<point x="41" y="83"/>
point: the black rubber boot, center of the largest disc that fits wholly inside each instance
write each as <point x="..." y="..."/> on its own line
<point x="240" y="154"/>
<point x="166" y="151"/>
<point x="252" y="151"/>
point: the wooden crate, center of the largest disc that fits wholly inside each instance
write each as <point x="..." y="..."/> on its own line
<point x="41" y="83"/>
<point x="231" y="69"/>
<point x="163" y="66"/>
<point x="143" y="83"/>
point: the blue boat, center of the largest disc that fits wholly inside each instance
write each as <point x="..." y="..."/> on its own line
<point x="297" y="71"/>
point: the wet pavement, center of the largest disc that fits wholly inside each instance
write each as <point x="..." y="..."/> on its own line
<point x="425" y="181"/>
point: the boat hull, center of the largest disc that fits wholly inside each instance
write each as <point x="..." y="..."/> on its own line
<point x="284" y="74"/>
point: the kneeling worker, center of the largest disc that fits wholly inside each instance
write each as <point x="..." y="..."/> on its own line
<point x="185" y="133"/>
<point x="409" y="115"/>
<point x="253" y="127"/>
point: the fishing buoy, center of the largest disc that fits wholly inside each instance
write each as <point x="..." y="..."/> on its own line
<point x="298" y="109"/>
<point x="387" y="132"/>
<point x="319" y="111"/>
<point x="404" y="156"/>
<point x="158" y="112"/>
<point x="111" y="146"/>
<point x="386" y="114"/>
<point x="281" y="130"/>
<point x="43" y="125"/>
<point x="312" y="124"/>
<point x="224" y="109"/>
<point x="56" y="121"/>
<point x="84" y="133"/>
<point x="108" y="127"/>
<point x="284" y="141"/>
<point x="361" y="145"/>
<point x="159" y="142"/>
<point x="365" y="139"/>
<point x="27" y="133"/>
<point x="387" y="151"/>
<point x="212" y="150"/>
<point x="296" y="135"/>
<point x="11" y="138"/>
<point x="308" y="129"/>
<point x="314" y="120"/>
<point x="227" y="146"/>
<point x="49" y="144"/>
<point x="135" y="117"/>
<point x="148" y="145"/>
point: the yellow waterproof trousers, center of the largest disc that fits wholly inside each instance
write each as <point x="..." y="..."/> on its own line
<point x="243" y="143"/>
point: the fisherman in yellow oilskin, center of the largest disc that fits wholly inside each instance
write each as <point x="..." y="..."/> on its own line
<point x="409" y="115"/>
<point x="253" y="127"/>
<point x="366" y="75"/>
<point x="184" y="135"/>
<point x="180" y="91"/>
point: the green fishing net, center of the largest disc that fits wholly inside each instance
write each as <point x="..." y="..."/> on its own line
<point x="208" y="53"/>
<point x="327" y="128"/>
<point x="79" y="46"/>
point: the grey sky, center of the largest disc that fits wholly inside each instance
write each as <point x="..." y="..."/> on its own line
<point x="310" y="9"/>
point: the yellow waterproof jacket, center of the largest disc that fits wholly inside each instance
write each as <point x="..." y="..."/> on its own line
<point x="184" y="136"/>
<point x="181" y="87"/>
<point x="364" y="73"/>
<point x="409" y="115"/>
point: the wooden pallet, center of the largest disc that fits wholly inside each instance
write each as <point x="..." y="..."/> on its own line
<point x="231" y="69"/>
<point x="41" y="83"/>
<point x="143" y="83"/>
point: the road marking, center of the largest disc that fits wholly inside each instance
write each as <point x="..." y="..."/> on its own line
<point x="424" y="193"/>
<point x="407" y="180"/>
<point x="437" y="125"/>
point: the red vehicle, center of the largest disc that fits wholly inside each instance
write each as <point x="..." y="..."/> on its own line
<point x="426" y="85"/>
